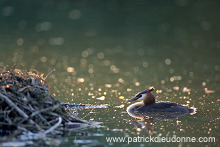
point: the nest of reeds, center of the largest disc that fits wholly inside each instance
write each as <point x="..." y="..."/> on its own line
<point x="27" y="105"/>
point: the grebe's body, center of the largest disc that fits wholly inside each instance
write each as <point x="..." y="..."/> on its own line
<point x="149" y="105"/>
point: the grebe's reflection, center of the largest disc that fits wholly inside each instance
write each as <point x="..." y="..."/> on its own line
<point x="146" y="121"/>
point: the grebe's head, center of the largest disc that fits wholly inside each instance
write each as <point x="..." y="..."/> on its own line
<point x="141" y="95"/>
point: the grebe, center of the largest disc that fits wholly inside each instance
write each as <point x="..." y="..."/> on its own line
<point x="149" y="105"/>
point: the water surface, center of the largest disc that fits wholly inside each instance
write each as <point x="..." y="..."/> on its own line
<point x="105" y="52"/>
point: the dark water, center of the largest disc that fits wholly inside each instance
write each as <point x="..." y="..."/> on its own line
<point x="106" y="51"/>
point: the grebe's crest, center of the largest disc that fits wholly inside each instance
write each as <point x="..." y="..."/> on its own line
<point x="141" y="95"/>
<point x="144" y="92"/>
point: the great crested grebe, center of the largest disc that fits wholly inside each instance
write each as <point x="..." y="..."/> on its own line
<point x="149" y="104"/>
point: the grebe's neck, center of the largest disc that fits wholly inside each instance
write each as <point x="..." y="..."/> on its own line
<point x="149" y="99"/>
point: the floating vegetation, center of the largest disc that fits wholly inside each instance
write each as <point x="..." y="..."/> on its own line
<point x="29" y="112"/>
<point x="102" y="98"/>
<point x="120" y="106"/>
<point x="209" y="91"/>
<point x="84" y="106"/>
